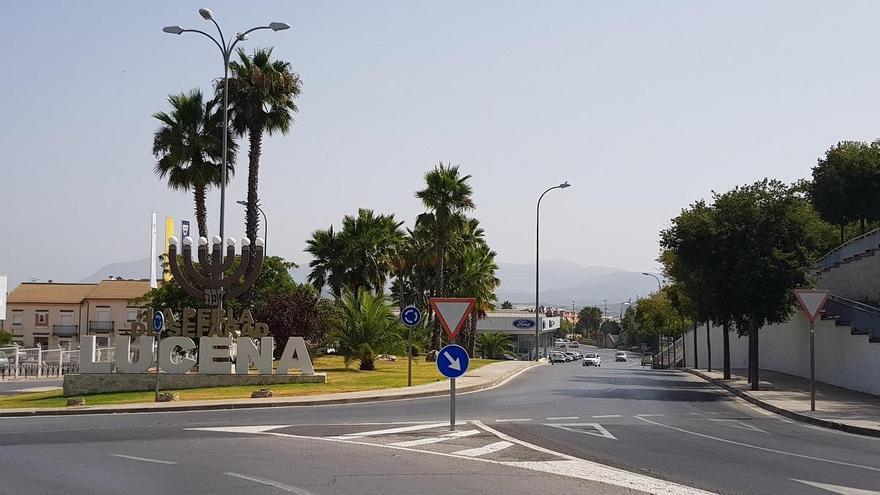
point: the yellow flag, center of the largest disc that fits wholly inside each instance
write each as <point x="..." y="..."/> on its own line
<point x="169" y="232"/>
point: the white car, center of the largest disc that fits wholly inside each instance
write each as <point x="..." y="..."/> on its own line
<point x="557" y="357"/>
<point x="620" y="356"/>
<point x="592" y="359"/>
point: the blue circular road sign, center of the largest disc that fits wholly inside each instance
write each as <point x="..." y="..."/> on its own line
<point x="453" y="361"/>
<point x="158" y="322"/>
<point x="411" y="316"/>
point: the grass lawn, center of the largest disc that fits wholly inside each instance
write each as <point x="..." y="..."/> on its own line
<point x="339" y="379"/>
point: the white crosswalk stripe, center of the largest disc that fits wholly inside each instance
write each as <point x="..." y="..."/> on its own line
<point x="485" y="449"/>
<point x="430" y="440"/>
<point x="390" y="431"/>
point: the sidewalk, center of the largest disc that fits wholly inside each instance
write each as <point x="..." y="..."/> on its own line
<point x="788" y="395"/>
<point x="482" y="378"/>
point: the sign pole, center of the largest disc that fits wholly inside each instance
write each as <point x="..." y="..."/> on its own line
<point x="409" y="357"/>
<point x="158" y="326"/>
<point x="452" y="359"/>
<point x="157" y="368"/>
<point x="410" y="316"/>
<point x="812" y="366"/>
<point x="452" y="404"/>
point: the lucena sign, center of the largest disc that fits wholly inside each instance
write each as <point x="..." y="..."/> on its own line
<point x="226" y="345"/>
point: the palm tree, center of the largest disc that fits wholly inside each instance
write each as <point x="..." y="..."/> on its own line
<point x="261" y="98"/>
<point x="447" y="198"/>
<point x="327" y="251"/>
<point x="367" y="327"/>
<point x="474" y="276"/>
<point x="491" y="344"/>
<point x="189" y="146"/>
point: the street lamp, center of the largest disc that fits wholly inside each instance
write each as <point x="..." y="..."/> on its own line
<point x="226" y="51"/>
<point x="538" y="260"/>
<point x="265" y="223"/>
<point x="659" y="286"/>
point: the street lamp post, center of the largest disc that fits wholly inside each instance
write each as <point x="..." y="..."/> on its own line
<point x="226" y="51"/>
<point x="538" y="260"/>
<point x="265" y="224"/>
<point x="659" y="285"/>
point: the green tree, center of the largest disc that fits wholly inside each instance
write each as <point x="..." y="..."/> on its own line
<point x="189" y="147"/>
<point x="507" y="305"/>
<point x="5" y="338"/>
<point x="299" y="312"/>
<point x="845" y="182"/>
<point x="261" y="100"/>
<point x="366" y="328"/>
<point x="589" y="320"/>
<point x="472" y="274"/>
<point x="491" y="344"/>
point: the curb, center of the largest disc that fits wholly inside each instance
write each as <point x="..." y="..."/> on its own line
<point x="490" y="384"/>
<point x="825" y="423"/>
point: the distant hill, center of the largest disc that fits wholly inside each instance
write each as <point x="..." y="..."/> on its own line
<point x="137" y="269"/>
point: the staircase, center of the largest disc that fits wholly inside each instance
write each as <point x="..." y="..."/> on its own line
<point x="863" y="319"/>
<point x="866" y="244"/>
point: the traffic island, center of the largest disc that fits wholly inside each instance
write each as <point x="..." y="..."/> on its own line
<point x="87" y="384"/>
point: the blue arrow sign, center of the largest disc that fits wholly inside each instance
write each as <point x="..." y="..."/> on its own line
<point x="411" y="316"/>
<point x="158" y="322"/>
<point x="453" y="361"/>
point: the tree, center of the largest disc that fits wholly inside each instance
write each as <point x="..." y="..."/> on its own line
<point x="261" y="98"/>
<point x="610" y="326"/>
<point x="189" y="146"/>
<point x="589" y="320"/>
<point x="299" y="312"/>
<point x="366" y="328"/>
<point x="845" y="182"/>
<point x="506" y="305"/>
<point x="5" y="338"/>
<point x="473" y="275"/>
<point x="492" y="344"/>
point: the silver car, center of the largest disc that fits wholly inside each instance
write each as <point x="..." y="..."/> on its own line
<point x="592" y="359"/>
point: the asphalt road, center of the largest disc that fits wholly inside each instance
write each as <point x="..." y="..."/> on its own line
<point x="615" y="429"/>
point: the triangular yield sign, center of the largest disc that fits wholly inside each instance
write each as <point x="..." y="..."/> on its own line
<point x="452" y="312"/>
<point x="812" y="301"/>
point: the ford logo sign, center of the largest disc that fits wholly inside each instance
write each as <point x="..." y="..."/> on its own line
<point x="523" y="323"/>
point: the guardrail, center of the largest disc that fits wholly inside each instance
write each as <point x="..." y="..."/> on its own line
<point x="866" y="242"/>
<point x="863" y="318"/>
<point x="20" y="362"/>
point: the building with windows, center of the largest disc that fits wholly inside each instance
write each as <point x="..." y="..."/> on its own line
<point x="53" y="315"/>
<point x="520" y="327"/>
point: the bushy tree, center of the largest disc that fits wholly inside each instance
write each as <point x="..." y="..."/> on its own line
<point x="845" y="182"/>
<point x="367" y="327"/>
<point x="299" y="312"/>
<point x="491" y="344"/>
<point x="589" y="320"/>
<point x="507" y="305"/>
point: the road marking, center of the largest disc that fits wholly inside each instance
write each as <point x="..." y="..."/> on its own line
<point x="242" y="429"/>
<point x="143" y="459"/>
<point x="486" y="449"/>
<point x="512" y="420"/>
<point x="648" y="415"/>
<point x="775" y="451"/>
<point x="843" y="490"/>
<point x="558" y="418"/>
<point x="693" y="414"/>
<point x="389" y="431"/>
<point x="735" y="423"/>
<point x="605" y="416"/>
<point x="426" y="441"/>
<point x="274" y="484"/>
<point x="578" y="428"/>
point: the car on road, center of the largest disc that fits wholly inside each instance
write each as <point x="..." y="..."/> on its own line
<point x="4" y="361"/>
<point x="620" y="356"/>
<point x="504" y="357"/>
<point x="558" y="357"/>
<point x="573" y="355"/>
<point x="575" y="344"/>
<point x="592" y="359"/>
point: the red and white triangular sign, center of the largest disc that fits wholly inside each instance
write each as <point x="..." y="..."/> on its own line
<point x="812" y="301"/>
<point x="452" y="312"/>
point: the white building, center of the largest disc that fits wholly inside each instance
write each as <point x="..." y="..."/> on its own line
<point x="520" y="326"/>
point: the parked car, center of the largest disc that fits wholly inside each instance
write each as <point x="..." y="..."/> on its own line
<point x="504" y="357"/>
<point x="573" y="355"/>
<point x="558" y="357"/>
<point x="592" y="359"/>
<point x="620" y="356"/>
<point x="4" y="361"/>
<point x="575" y="344"/>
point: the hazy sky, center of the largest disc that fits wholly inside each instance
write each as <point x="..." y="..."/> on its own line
<point x="642" y="106"/>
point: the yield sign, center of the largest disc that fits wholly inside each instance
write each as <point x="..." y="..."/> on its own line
<point x="452" y="312"/>
<point x="812" y="301"/>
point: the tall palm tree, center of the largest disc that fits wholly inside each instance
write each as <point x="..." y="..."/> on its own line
<point x="189" y="146"/>
<point x="474" y="276"/>
<point x="327" y="265"/>
<point x="447" y="197"/>
<point x="261" y="98"/>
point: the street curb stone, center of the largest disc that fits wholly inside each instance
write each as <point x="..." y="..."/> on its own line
<point x="825" y="423"/>
<point x="494" y="382"/>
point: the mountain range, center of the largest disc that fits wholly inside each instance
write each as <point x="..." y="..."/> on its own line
<point x="561" y="282"/>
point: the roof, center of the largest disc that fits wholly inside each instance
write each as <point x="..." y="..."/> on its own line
<point x="120" y="289"/>
<point x="40" y="293"/>
<point x="511" y="313"/>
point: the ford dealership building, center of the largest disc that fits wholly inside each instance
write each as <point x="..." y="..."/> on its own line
<point x="520" y="327"/>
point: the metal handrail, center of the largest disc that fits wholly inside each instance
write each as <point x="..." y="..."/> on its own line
<point x="855" y="304"/>
<point x="836" y="254"/>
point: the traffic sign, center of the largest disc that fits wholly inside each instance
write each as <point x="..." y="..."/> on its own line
<point x="452" y="312"/>
<point x="410" y="316"/>
<point x="158" y="322"/>
<point x="812" y="301"/>
<point x="452" y="361"/>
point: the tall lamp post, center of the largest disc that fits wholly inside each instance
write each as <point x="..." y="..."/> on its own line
<point x="265" y="224"/>
<point x="226" y="51"/>
<point x="538" y="260"/>
<point x="659" y="285"/>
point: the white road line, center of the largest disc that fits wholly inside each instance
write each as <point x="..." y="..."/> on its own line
<point x="557" y="418"/>
<point x="605" y="416"/>
<point x="426" y="441"/>
<point x="512" y="420"/>
<point x="647" y="415"/>
<point x="843" y="490"/>
<point x="486" y="449"/>
<point x="756" y="447"/>
<point x="274" y="484"/>
<point x="390" y="431"/>
<point x="143" y="459"/>
<point x="241" y="429"/>
<point x="735" y="423"/>
<point x="693" y="414"/>
<point x="599" y="431"/>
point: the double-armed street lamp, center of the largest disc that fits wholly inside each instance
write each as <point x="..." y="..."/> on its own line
<point x="226" y="49"/>
<point x="538" y="261"/>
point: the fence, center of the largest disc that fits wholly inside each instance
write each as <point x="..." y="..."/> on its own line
<point x="19" y="362"/>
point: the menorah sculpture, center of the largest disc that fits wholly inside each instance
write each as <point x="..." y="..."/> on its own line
<point x="207" y="281"/>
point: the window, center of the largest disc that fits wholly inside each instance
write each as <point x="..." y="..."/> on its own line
<point x="131" y="314"/>
<point x="16" y="319"/>
<point x="42" y="318"/>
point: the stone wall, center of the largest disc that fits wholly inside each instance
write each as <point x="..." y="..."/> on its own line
<point x="84" y="384"/>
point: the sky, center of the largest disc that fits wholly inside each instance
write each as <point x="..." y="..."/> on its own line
<point x="643" y="106"/>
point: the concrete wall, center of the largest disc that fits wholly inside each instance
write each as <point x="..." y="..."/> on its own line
<point x="842" y="359"/>
<point x="857" y="279"/>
